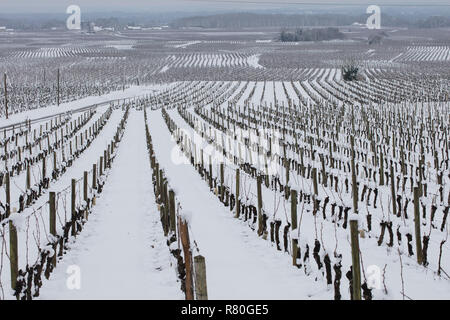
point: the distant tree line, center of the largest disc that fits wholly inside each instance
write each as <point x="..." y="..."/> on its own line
<point x="248" y="20"/>
<point x="229" y="20"/>
<point x="317" y="34"/>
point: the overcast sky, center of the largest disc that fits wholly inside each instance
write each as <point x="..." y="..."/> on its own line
<point x="25" y="6"/>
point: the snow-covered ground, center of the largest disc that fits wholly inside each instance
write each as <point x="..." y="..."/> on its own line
<point x="131" y="92"/>
<point x="239" y="265"/>
<point x="121" y="254"/>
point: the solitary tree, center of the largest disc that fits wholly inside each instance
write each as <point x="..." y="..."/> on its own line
<point x="350" y="71"/>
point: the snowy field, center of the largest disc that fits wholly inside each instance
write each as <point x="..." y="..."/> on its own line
<point x="224" y="165"/>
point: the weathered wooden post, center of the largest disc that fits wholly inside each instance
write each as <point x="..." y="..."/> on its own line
<point x="356" y="269"/>
<point x="417" y="225"/>
<point x="172" y="218"/>
<point x="52" y="207"/>
<point x="394" y="200"/>
<point x="44" y="167"/>
<point x="354" y="183"/>
<point x="109" y="155"/>
<point x="94" y="176"/>
<point x="201" y="291"/>
<point x="381" y="167"/>
<point x="101" y="166"/>
<point x="166" y="208"/>
<point x="238" y="202"/>
<point x="184" y="235"/>
<point x="210" y="173"/>
<point x="222" y="183"/>
<point x="324" y="173"/>
<point x="28" y="179"/>
<point x="156" y="171"/>
<point x="260" y="206"/>
<point x="13" y="245"/>
<point x="294" y="226"/>
<point x="85" y="192"/>
<point x="54" y="160"/>
<point x="287" y="167"/>
<point x="73" y="208"/>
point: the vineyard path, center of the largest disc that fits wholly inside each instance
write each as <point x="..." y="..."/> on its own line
<point x="122" y="252"/>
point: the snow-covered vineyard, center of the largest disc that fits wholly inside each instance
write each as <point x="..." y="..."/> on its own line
<point x="168" y="164"/>
<point x="256" y="182"/>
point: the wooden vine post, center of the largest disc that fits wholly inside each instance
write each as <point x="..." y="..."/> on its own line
<point x="222" y="183"/>
<point x="394" y="202"/>
<point x="54" y="161"/>
<point x="417" y="225"/>
<point x="94" y="176"/>
<point x="238" y="203"/>
<point x="44" y="167"/>
<point x="85" y="192"/>
<point x="260" y="206"/>
<point x="210" y="173"/>
<point x="184" y="235"/>
<point x="28" y="179"/>
<point x="52" y="207"/>
<point x="101" y="166"/>
<point x="13" y="245"/>
<point x="294" y="226"/>
<point x="356" y="268"/>
<point x="315" y="187"/>
<point x="201" y="291"/>
<point x="73" y="209"/>
<point x="354" y="183"/>
<point x="172" y="218"/>
<point x="156" y="172"/>
<point x="381" y="168"/>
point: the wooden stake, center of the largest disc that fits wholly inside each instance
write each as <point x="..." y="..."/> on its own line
<point x="52" y="207"/>
<point x="13" y="245"/>
<point x="28" y="177"/>
<point x="73" y="208"/>
<point x="260" y="205"/>
<point x="184" y="235"/>
<point x="201" y="291"/>
<point x="356" y="279"/>
<point x="294" y="226"/>
<point x="101" y="166"/>
<point x="85" y="191"/>
<point x="222" y="186"/>
<point x="417" y="226"/>
<point x="172" y="220"/>
<point x="394" y="200"/>
<point x="94" y="176"/>
<point x="44" y="168"/>
<point x="354" y="183"/>
<point x="238" y="203"/>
